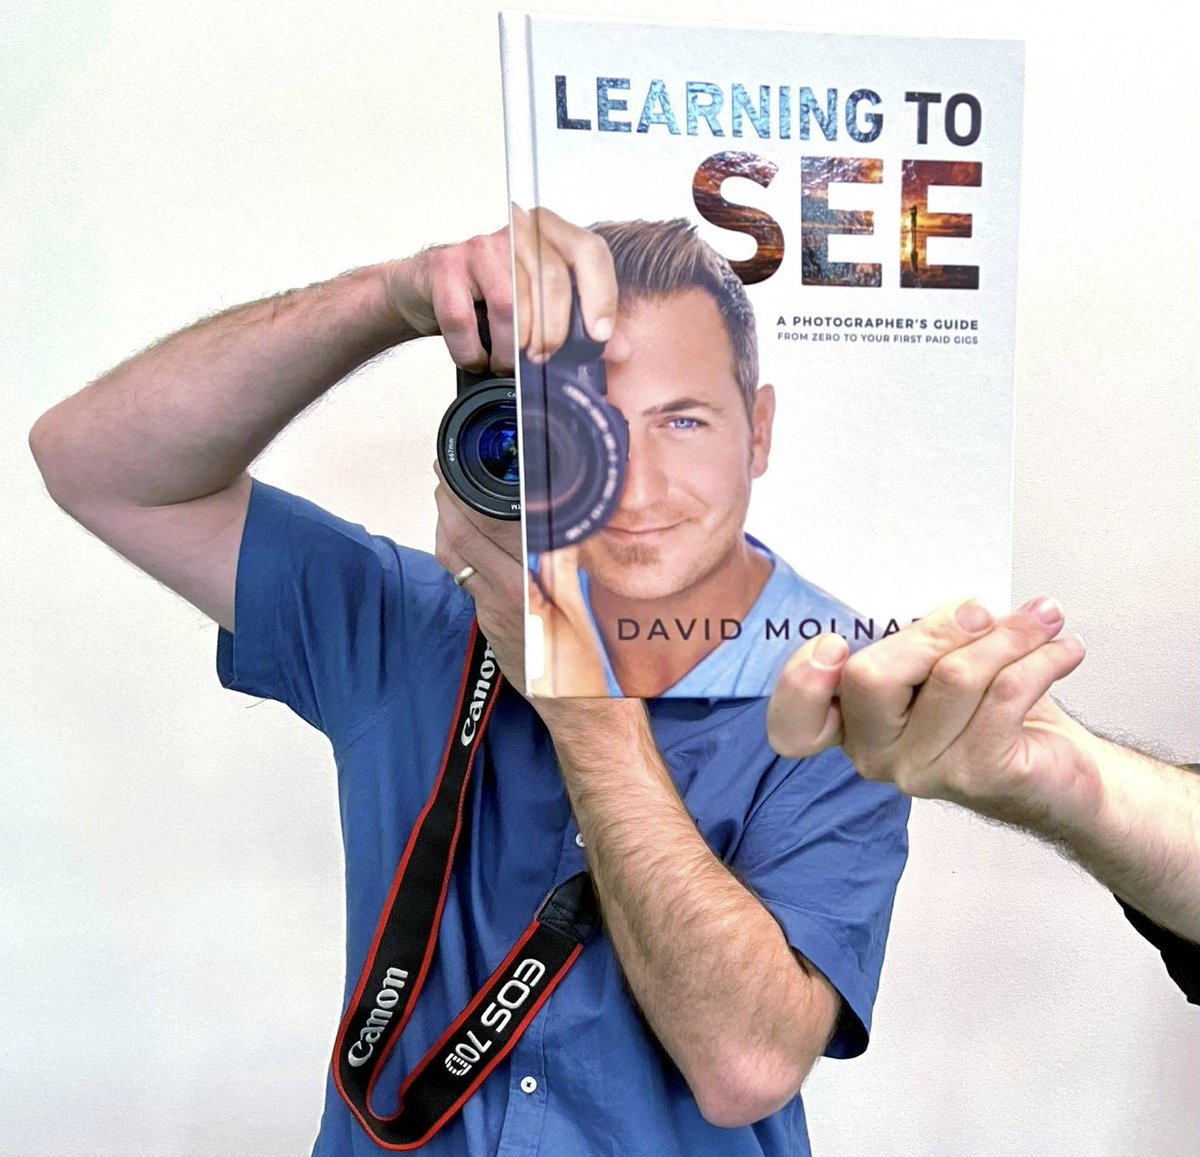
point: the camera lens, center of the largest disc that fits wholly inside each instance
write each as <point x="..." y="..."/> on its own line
<point x="477" y="448"/>
<point x="574" y="444"/>
<point x="493" y="443"/>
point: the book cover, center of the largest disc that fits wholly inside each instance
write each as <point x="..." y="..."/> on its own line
<point x="802" y="421"/>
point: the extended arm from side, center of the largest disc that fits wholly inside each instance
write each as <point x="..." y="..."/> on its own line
<point x="957" y="707"/>
<point x="1145" y="846"/>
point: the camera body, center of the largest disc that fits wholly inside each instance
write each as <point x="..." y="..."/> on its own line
<point x="575" y="442"/>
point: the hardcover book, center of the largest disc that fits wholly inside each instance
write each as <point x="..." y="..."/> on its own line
<point x="801" y="421"/>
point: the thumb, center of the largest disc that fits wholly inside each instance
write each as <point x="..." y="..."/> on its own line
<point x="803" y="716"/>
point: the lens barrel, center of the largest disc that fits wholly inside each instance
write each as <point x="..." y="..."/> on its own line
<point x="477" y="448"/>
<point x="574" y="443"/>
<point x="574" y="452"/>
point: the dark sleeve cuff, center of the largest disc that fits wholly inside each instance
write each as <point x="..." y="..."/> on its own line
<point x="247" y="659"/>
<point x="1181" y="957"/>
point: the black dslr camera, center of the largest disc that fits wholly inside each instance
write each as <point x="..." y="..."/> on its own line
<point x="575" y="447"/>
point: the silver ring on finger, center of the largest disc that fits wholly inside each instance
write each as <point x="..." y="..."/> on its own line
<point x="463" y="575"/>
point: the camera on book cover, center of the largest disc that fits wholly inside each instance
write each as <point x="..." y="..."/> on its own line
<point x="575" y="447"/>
<point x="576" y="442"/>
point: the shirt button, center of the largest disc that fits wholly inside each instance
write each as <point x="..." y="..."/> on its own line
<point x="579" y="839"/>
<point x="528" y="1085"/>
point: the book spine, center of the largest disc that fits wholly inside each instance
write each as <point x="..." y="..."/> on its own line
<point x="520" y="151"/>
<point x="520" y="138"/>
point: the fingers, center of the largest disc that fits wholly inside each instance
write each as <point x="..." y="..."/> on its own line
<point x="962" y="731"/>
<point x="556" y="592"/>
<point x="500" y="532"/>
<point x="476" y="270"/>
<point x="591" y="261"/>
<point x="960" y="680"/>
<point x="1019" y="689"/>
<point x="459" y="276"/>
<point x="880" y="681"/>
<point x="574" y="664"/>
<point x="499" y="302"/>
<point x="803" y="716"/>
<point x="550" y="253"/>
<point x="463" y="538"/>
<point x="496" y="586"/>
<point x="438" y="290"/>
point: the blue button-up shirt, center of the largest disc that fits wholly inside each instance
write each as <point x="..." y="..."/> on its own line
<point x="366" y="641"/>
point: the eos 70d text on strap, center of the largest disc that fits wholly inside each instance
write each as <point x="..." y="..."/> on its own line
<point x="402" y="951"/>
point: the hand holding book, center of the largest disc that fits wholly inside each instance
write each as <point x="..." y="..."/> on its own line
<point x="954" y="707"/>
<point x="957" y="707"/>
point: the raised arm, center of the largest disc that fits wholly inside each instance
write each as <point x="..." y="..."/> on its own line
<point x="152" y="457"/>
<point x="956" y="707"/>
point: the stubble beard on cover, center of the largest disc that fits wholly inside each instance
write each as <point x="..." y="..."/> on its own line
<point x="610" y="569"/>
<point x="635" y="554"/>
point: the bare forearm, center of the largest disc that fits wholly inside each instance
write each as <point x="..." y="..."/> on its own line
<point x="184" y="418"/>
<point x="708" y="964"/>
<point x="1145" y="842"/>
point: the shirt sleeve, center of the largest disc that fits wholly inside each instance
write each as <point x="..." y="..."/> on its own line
<point x="1181" y="957"/>
<point x="327" y="617"/>
<point x="824" y="850"/>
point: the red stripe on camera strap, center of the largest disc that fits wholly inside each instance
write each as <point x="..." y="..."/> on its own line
<point x="401" y="953"/>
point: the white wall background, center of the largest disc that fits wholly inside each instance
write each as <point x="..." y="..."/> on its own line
<point x="170" y="882"/>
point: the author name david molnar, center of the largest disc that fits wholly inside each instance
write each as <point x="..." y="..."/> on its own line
<point x="855" y="629"/>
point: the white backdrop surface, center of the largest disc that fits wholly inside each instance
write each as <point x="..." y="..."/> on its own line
<point x="170" y="874"/>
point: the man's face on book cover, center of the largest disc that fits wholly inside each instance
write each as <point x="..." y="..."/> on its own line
<point x="693" y="450"/>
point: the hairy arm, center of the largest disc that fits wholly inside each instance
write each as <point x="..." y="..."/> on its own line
<point x="957" y="707"/>
<point x="740" y="1013"/>
<point x="1143" y="841"/>
<point x="152" y="456"/>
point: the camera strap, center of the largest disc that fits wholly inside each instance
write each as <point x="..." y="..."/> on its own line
<point x="402" y="952"/>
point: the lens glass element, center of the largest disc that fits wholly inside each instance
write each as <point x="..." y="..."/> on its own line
<point x="496" y="447"/>
<point x="477" y="447"/>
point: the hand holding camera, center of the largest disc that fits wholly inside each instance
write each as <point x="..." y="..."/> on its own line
<point x="567" y="291"/>
<point x="435" y="291"/>
<point x="576" y="443"/>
